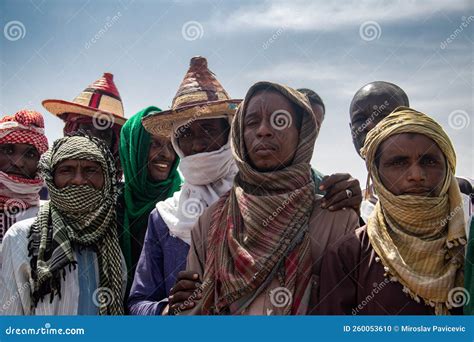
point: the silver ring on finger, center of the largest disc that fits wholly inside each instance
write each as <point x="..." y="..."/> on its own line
<point x="349" y="193"/>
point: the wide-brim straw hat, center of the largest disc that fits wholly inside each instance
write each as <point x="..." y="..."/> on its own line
<point x="199" y="96"/>
<point x="100" y="100"/>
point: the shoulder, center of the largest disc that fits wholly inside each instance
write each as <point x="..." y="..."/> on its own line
<point x="19" y="231"/>
<point x="350" y="246"/>
<point x="156" y="225"/>
<point x="339" y="220"/>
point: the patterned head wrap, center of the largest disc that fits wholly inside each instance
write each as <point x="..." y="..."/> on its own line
<point x="24" y="127"/>
<point x="240" y="258"/>
<point x="418" y="239"/>
<point x="77" y="216"/>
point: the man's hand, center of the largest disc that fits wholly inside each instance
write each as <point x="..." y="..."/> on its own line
<point x="342" y="191"/>
<point x="183" y="294"/>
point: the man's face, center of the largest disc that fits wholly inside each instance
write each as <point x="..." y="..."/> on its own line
<point x="19" y="160"/>
<point x="367" y="109"/>
<point x="78" y="172"/>
<point x="161" y="157"/>
<point x="104" y="134"/>
<point x="204" y="135"/>
<point x="411" y="164"/>
<point x="270" y="131"/>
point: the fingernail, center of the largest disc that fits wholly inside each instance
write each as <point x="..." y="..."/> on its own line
<point x="170" y="297"/>
<point x="195" y="276"/>
<point x="331" y="208"/>
<point x="321" y="187"/>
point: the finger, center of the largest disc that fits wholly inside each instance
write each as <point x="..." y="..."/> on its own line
<point x="353" y="202"/>
<point x="185" y="285"/>
<point x="339" y="197"/>
<point x="180" y="307"/>
<point x="351" y="183"/>
<point x="333" y="179"/>
<point x="189" y="275"/>
<point x="340" y="187"/>
<point x="183" y="296"/>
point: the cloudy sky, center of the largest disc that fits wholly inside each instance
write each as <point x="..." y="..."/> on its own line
<point x="54" y="49"/>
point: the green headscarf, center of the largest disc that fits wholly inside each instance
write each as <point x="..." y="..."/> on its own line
<point x="140" y="193"/>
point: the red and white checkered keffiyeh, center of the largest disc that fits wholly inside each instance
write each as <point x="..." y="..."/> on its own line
<point x="24" y="127"/>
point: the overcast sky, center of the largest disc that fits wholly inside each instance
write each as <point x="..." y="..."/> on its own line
<point x="54" y="49"/>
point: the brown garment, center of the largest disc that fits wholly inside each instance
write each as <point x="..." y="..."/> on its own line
<point x="326" y="228"/>
<point x="354" y="283"/>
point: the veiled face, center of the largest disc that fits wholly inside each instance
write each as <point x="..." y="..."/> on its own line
<point x="78" y="172"/>
<point x="204" y="135"/>
<point x="19" y="160"/>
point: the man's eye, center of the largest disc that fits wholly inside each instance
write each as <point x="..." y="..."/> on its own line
<point x="64" y="171"/>
<point x="429" y="162"/>
<point x="397" y="163"/>
<point x="6" y="150"/>
<point x="31" y="155"/>
<point x="91" y="170"/>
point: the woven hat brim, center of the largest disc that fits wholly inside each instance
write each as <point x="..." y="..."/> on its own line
<point x="60" y="107"/>
<point x="162" y="123"/>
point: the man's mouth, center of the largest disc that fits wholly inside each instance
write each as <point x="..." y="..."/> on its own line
<point x="161" y="165"/>
<point x="265" y="148"/>
<point x="16" y="173"/>
<point x="418" y="191"/>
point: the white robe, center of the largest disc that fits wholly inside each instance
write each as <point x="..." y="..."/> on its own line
<point x="16" y="282"/>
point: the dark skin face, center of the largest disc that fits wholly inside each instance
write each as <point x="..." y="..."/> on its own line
<point x="204" y="135"/>
<point x="78" y="172"/>
<point x="411" y="164"/>
<point x="106" y="134"/>
<point x="364" y="116"/>
<point x="270" y="146"/>
<point x="161" y="157"/>
<point x="19" y="160"/>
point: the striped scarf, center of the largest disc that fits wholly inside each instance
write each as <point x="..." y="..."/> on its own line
<point x="260" y="229"/>
<point x="420" y="240"/>
<point x="77" y="216"/>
